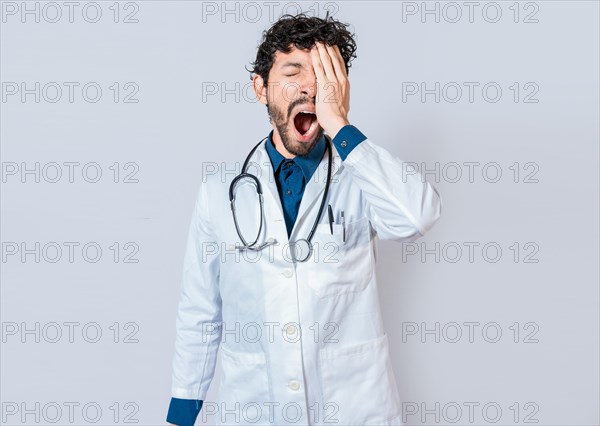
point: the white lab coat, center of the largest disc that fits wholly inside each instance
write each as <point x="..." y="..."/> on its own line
<point x="300" y="343"/>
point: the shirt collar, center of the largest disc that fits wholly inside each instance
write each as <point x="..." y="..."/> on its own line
<point x="308" y="163"/>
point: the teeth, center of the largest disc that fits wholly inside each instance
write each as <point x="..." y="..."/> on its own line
<point x="312" y="127"/>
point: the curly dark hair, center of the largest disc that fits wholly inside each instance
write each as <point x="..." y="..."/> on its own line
<point x="302" y="31"/>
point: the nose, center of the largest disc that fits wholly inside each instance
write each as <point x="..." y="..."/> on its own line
<point x="309" y="85"/>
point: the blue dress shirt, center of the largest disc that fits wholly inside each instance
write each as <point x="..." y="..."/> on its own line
<point x="291" y="176"/>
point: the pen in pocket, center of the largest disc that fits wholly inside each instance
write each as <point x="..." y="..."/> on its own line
<point x="330" y="218"/>
<point x="343" y="227"/>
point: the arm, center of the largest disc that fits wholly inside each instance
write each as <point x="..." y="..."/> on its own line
<point x="401" y="206"/>
<point x="198" y="323"/>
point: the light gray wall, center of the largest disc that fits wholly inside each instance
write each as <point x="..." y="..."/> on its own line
<point x="542" y="213"/>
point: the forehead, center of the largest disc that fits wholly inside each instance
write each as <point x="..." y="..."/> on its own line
<point x="295" y="58"/>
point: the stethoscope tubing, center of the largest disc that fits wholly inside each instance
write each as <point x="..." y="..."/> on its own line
<point x="259" y="191"/>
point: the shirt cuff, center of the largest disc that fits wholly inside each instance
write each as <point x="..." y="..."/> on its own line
<point x="347" y="139"/>
<point x="183" y="412"/>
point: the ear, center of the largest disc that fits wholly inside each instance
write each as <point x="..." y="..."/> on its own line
<point x="260" y="90"/>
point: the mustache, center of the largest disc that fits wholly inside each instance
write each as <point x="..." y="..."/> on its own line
<point x="297" y="102"/>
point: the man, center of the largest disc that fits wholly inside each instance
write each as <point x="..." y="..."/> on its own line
<point x="301" y="342"/>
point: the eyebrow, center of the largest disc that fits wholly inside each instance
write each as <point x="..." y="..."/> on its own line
<point x="292" y="64"/>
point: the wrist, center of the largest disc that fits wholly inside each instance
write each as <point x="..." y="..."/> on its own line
<point x="335" y="128"/>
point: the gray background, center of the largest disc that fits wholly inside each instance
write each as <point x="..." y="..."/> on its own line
<point x="174" y="54"/>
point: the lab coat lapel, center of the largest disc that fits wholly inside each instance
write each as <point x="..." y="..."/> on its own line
<point x="311" y="199"/>
<point x="274" y="219"/>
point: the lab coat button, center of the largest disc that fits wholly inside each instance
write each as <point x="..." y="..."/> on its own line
<point x="290" y="329"/>
<point x="344" y="144"/>
<point x="288" y="273"/>
<point x="294" y="385"/>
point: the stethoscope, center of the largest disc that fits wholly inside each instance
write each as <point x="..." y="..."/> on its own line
<point x="299" y="247"/>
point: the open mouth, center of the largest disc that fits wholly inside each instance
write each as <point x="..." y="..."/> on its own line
<point x="305" y="124"/>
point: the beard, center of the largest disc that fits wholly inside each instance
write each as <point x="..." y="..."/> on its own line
<point x="282" y="122"/>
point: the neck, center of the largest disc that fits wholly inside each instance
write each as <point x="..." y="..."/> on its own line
<point x="278" y="143"/>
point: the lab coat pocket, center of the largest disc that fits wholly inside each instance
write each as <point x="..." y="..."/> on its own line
<point x="341" y="266"/>
<point x="244" y="389"/>
<point x="358" y="383"/>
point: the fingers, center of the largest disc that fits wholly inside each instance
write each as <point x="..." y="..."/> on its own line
<point x="331" y="61"/>
<point x="341" y="61"/>
<point x="326" y="61"/>
<point x="317" y="65"/>
<point x="337" y="65"/>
